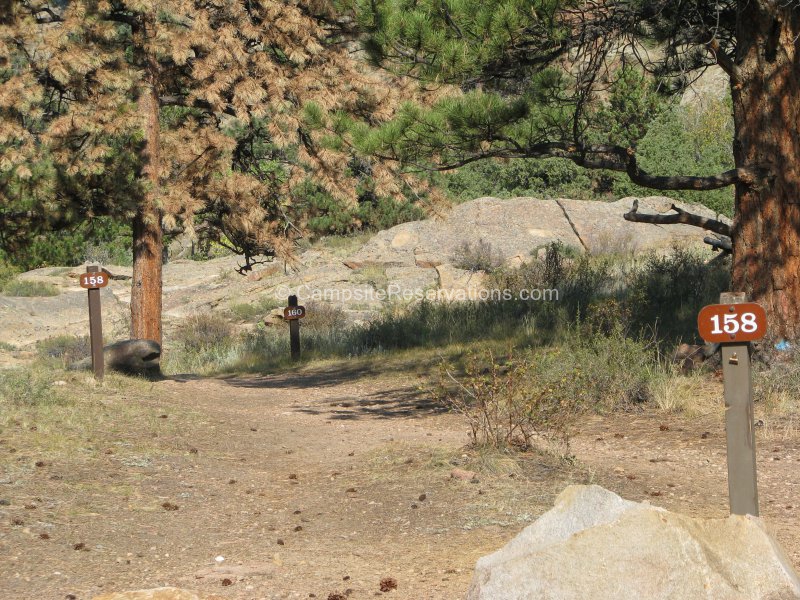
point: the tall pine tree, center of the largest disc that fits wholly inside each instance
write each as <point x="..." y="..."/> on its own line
<point x="164" y="112"/>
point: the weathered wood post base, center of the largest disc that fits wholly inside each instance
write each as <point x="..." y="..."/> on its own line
<point x="96" y="328"/>
<point x="739" y="428"/>
<point x="294" y="332"/>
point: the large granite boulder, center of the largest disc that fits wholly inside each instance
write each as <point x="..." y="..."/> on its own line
<point x="517" y="226"/>
<point x="594" y="545"/>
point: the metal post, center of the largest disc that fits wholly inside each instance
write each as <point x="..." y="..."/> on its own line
<point x="96" y="328"/>
<point x="294" y="332"/>
<point x="739" y="429"/>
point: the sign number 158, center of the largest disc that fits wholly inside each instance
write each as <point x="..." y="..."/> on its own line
<point x="743" y="322"/>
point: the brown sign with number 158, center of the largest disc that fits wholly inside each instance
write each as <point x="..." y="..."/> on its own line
<point x="92" y="281"/>
<point x="744" y="322"/>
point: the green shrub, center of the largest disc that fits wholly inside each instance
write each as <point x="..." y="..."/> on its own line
<point x="509" y="403"/>
<point x="322" y="317"/>
<point x="543" y="178"/>
<point x="28" y="388"/>
<point x="204" y="331"/>
<point x="665" y="293"/>
<point x="248" y="312"/>
<point x="29" y="289"/>
<point x="67" y="349"/>
<point x="201" y="343"/>
<point x="326" y="215"/>
<point x="102" y="240"/>
<point x="7" y="273"/>
<point x="679" y="140"/>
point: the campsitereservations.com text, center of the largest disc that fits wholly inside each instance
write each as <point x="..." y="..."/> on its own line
<point x="394" y="292"/>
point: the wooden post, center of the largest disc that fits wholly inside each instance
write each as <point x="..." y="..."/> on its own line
<point x="739" y="429"/>
<point x="96" y="328"/>
<point x="294" y="332"/>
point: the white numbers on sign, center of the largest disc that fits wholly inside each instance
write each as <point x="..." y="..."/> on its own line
<point x="731" y="323"/>
<point x="749" y="324"/>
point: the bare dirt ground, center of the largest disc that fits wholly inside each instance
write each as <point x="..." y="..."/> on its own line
<point x="323" y="482"/>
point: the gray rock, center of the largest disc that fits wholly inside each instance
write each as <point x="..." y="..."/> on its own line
<point x="602" y="230"/>
<point x="515" y="227"/>
<point x="129" y="356"/>
<point x="595" y="545"/>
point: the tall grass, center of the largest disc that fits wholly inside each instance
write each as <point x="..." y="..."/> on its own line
<point x="28" y="289"/>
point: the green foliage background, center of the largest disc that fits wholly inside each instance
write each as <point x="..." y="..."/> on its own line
<point x="680" y="140"/>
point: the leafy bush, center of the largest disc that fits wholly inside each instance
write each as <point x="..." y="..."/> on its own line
<point x="29" y="289"/>
<point x="7" y="273"/>
<point x="322" y="317"/>
<point x="499" y="406"/>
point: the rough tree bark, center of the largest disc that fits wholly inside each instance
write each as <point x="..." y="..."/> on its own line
<point x="147" y="231"/>
<point x="765" y="85"/>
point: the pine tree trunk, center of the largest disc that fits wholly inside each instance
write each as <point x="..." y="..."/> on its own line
<point x="766" y="107"/>
<point x="147" y="232"/>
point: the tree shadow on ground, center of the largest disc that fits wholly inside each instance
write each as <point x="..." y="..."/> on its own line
<point x="395" y="400"/>
<point x="385" y="404"/>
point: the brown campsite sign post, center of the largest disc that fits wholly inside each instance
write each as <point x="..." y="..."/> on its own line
<point x="93" y="280"/>
<point x="293" y="313"/>
<point x="734" y="323"/>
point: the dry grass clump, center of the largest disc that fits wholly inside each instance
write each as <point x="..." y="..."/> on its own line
<point x="26" y="288"/>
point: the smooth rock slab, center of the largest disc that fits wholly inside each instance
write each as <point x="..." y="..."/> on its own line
<point x="162" y="593"/>
<point x="595" y="545"/>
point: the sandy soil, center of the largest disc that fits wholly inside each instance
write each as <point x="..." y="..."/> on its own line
<point x="326" y="482"/>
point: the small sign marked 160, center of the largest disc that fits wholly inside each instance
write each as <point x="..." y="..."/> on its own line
<point x="290" y="313"/>
<point x="741" y="322"/>
<point x="93" y="281"/>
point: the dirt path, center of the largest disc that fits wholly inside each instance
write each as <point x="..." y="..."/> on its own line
<point x="316" y="484"/>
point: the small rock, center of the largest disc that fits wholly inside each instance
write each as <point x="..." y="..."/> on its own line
<point x="388" y="584"/>
<point x="463" y="474"/>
